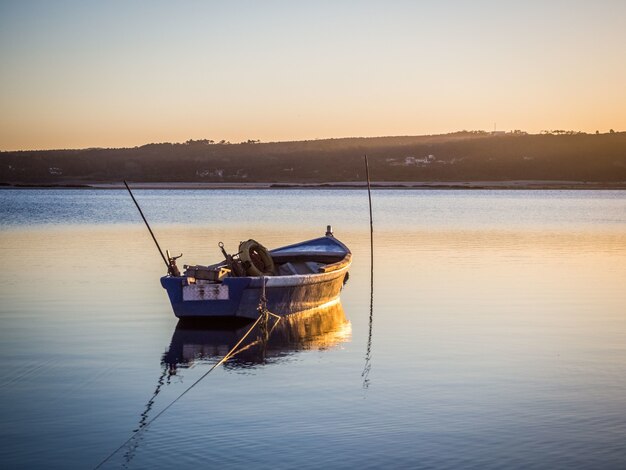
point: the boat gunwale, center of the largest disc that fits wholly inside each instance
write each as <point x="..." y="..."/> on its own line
<point x="275" y="281"/>
<point x="304" y="243"/>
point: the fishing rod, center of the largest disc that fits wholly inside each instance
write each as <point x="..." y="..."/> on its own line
<point x="170" y="262"/>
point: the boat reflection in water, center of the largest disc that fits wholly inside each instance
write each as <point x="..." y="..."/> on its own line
<point x="211" y="340"/>
<point x="316" y="329"/>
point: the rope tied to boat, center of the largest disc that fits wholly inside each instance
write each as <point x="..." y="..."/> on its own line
<point x="262" y="320"/>
<point x="264" y="313"/>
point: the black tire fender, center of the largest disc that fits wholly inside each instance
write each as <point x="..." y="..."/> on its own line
<point x="256" y="258"/>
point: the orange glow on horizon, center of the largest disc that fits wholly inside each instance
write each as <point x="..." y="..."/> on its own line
<point x="283" y="72"/>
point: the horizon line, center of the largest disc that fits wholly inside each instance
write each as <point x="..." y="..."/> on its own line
<point x="518" y="132"/>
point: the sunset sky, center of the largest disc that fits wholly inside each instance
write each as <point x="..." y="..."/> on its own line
<point x="82" y="73"/>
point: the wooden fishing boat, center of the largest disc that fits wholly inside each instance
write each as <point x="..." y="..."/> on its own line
<point x="296" y="277"/>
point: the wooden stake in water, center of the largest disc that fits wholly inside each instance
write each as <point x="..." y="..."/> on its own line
<point x="368" y="353"/>
<point x="369" y="195"/>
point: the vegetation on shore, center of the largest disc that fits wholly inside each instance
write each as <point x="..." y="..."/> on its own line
<point x="460" y="156"/>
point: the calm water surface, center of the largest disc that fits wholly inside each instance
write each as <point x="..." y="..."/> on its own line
<point x="498" y="334"/>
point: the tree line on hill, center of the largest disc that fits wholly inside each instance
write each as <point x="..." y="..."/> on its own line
<point x="460" y="156"/>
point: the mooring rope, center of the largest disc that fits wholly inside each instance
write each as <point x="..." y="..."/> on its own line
<point x="264" y="314"/>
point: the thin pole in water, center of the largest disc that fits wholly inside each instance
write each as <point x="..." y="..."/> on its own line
<point x="368" y="354"/>
<point x="148" y="225"/>
<point x="369" y="195"/>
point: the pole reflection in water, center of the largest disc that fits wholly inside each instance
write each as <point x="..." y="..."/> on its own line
<point x="368" y="353"/>
<point x="316" y="329"/>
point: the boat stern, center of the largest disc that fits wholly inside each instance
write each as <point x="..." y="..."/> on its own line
<point x="196" y="298"/>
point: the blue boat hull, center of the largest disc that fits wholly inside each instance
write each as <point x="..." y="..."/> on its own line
<point x="309" y="274"/>
<point x="240" y="296"/>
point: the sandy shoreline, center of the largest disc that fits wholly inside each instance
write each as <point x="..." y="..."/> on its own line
<point x="452" y="185"/>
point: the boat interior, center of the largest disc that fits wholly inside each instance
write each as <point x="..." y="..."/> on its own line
<point x="322" y="255"/>
<point x="289" y="265"/>
<point x="286" y="265"/>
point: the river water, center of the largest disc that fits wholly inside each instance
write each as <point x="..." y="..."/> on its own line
<point x="497" y="336"/>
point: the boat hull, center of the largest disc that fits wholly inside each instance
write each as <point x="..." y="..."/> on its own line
<point x="239" y="297"/>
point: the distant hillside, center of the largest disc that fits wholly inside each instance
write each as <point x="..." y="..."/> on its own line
<point x="461" y="156"/>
